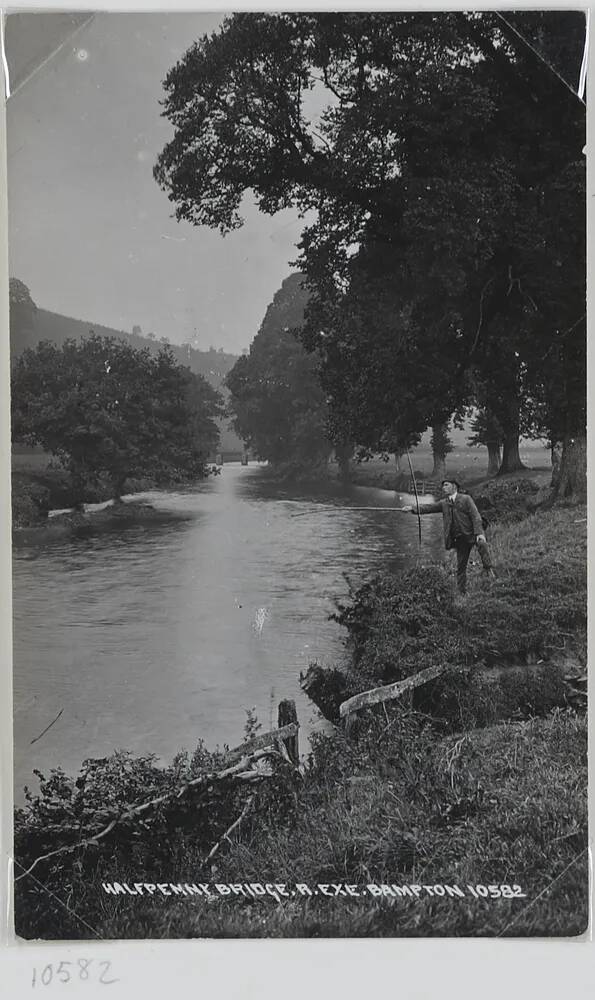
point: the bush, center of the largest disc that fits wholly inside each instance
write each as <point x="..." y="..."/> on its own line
<point x="506" y="500"/>
<point x="30" y="504"/>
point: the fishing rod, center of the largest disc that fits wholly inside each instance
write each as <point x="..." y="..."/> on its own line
<point x="416" y="496"/>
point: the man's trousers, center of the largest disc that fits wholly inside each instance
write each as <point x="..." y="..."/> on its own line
<point x="463" y="550"/>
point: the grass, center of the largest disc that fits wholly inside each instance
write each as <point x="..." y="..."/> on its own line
<point x="483" y="781"/>
<point x="516" y="637"/>
<point x="468" y="465"/>
<point x="396" y="807"/>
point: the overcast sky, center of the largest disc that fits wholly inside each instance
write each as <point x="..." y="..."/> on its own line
<point x="90" y="232"/>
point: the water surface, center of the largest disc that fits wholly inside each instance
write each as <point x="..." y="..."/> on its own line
<point x="153" y="636"/>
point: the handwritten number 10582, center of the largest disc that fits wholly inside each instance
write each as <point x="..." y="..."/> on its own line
<point x="66" y="972"/>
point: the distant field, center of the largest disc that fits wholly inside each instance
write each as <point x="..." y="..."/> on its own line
<point x="468" y="464"/>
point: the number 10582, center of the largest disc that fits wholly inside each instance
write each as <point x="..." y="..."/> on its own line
<point x="496" y="891"/>
<point x="81" y="970"/>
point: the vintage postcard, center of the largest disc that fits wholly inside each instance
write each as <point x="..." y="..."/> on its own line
<point x="299" y="521"/>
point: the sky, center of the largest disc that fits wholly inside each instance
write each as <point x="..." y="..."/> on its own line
<point x="90" y="232"/>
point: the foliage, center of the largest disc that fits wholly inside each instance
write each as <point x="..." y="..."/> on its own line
<point x="179" y="831"/>
<point x="30" y="503"/>
<point x="101" y="407"/>
<point x="19" y="294"/>
<point x="398" y="625"/>
<point x="278" y="405"/>
<point x="485" y="429"/>
<point x="446" y="176"/>
<point x="507" y="500"/>
<point x="401" y="806"/>
<point x="398" y="805"/>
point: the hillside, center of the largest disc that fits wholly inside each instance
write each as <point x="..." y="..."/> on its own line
<point x="29" y="325"/>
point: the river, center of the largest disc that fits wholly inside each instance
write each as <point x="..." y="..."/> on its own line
<point x="154" y="636"/>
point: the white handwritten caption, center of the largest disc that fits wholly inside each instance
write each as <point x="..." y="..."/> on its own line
<point x="81" y="971"/>
<point x="281" y="890"/>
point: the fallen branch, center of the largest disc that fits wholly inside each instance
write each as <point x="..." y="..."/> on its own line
<point x="389" y="692"/>
<point x="266" y="739"/>
<point x="241" y="770"/>
<point x="226" y="836"/>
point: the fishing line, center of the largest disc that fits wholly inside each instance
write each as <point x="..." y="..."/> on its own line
<point x="332" y="506"/>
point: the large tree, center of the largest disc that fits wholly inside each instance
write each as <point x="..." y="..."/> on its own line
<point x="277" y="403"/>
<point x="487" y="431"/>
<point x="438" y="169"/>
<point x="103" y="408"/>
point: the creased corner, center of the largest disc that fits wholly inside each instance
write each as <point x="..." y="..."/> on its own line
<point x="582" y="80"/>
<point x="5" y="70"/>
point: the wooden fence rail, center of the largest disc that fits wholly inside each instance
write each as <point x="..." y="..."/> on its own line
<point x="390" y="692"/>
<point x="430" y="487"/>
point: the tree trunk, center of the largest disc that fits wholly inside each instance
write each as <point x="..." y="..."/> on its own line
<point x="572" y="479"/>
<point x="493" y="457"/>
<point x="344" y="454"/>
<point x="511" y="460"/>
<point x="510" y="422"/>
<point x="440" y="450"/>
<point x="398" y="457"/>
<point x="118" y="488"/>
<point x="556" y="457"/>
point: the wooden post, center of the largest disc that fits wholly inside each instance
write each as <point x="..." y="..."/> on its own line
<point x="287" y="715"/>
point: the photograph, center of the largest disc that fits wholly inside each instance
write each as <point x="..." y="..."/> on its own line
<point x="298" y="420"/>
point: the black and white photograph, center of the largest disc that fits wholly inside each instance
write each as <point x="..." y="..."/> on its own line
<point x="298" y="352"/>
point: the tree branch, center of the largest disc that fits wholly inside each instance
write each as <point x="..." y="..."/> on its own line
<point x="238" y="770"/>
<point x="226" y="836"/>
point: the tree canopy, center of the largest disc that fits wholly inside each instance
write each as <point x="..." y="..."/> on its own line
<point x="442" y="155"/>
<point x="103" y="408"/>
<point x="278" y="405"/>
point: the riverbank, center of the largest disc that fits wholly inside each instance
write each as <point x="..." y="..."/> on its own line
<point x="39" y="487"/>
<point x="87" y="523"/>
<point x="44" y="505"/>
<point x="482" y="784"/>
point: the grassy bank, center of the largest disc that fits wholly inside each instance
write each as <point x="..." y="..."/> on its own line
<point x="483" y="782"/>
<point x="40" y="485"/>
<point x="468" y="465"/>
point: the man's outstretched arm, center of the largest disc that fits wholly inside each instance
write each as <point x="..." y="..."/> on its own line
<point x="425" y="508"/>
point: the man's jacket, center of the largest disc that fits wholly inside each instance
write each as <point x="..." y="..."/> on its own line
<point x="459" y="518"/>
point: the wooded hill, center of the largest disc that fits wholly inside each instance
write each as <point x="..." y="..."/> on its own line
<point x="29" y="325"/>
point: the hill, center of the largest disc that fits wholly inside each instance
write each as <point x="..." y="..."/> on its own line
<point x="28" y="330"/>
<point x="30" y="324"/>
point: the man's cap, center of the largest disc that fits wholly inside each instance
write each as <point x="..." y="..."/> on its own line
<point x="453" y="481"/>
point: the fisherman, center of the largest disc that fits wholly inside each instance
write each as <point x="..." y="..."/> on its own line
<point x="463" y="528"/>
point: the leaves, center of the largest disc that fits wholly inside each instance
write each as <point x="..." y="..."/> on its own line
<point x="102" y="407"/>
<point x="278" y="404"/>
<point x="440" y="160"/>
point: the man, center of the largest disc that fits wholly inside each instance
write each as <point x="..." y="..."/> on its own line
<point x="462" y="528"/>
